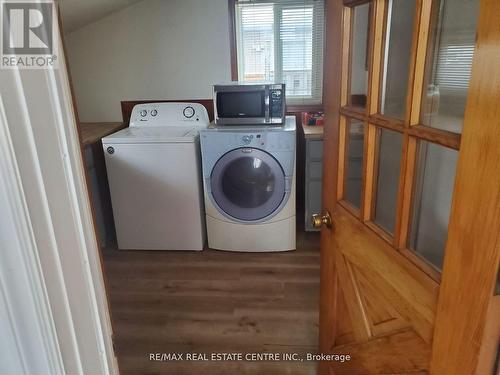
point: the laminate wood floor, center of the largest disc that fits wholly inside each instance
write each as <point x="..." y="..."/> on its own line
<point x="214" y="301"/>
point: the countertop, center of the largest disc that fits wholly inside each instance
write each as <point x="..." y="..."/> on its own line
<point x="92" y="132"/>
<point x="313" y="132"/>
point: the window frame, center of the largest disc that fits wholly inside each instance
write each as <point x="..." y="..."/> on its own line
<point x="295" y="103"/>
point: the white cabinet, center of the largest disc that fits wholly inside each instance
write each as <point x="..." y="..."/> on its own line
<point x="313" y="173"/>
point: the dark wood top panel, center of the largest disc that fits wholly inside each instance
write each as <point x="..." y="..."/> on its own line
<point x="92" y="132"/>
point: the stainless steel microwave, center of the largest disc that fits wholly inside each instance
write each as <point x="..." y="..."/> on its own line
<point x="242" y="104"/>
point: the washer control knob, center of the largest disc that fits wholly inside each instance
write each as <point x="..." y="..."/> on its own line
<point x="154" y="112"/>
<point x="143" y="113"/>
<point x="246" y="139"/>
<point x="188" y="112"/>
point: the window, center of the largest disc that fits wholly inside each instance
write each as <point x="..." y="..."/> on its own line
<point x="282" y="41"/>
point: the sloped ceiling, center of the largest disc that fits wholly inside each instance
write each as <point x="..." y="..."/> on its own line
<point x="78" y="13"/>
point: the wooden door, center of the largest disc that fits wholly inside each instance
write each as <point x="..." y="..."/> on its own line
<point x="412" y="183"/>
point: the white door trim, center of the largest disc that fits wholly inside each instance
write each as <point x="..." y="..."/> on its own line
<point x="50" y="271"/>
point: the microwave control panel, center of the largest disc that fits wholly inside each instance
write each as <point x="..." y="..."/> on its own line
<point x="276" y="102"/>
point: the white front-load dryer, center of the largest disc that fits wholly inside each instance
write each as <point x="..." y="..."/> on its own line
<point x="249" y="187"/>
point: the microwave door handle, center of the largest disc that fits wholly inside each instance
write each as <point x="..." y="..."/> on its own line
<point x="216" y="114"/>
<point x="266" y="103"/>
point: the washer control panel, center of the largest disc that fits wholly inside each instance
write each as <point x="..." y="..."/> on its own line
<point x="188" y="112"/>
<point x="169" y="114"/>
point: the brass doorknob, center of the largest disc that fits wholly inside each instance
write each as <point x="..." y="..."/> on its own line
<point x="319" y="220"/>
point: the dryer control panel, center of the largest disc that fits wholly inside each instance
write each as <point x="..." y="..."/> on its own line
<point x="265" y="140"/>
<point x="252" y="139"/>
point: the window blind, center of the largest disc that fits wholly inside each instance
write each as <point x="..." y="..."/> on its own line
<point x="282" y="41"/>
<point x="454" y="61"/>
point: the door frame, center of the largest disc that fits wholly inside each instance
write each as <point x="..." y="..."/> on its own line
<point x="463" y="293"/>
<point x="42" y="169"/>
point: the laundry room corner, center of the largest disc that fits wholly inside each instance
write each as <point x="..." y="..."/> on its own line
<point x="285" y="187"/>
<point x="194" y="206"/>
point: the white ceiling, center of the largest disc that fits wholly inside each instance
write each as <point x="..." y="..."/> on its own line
<point x="78" y="13"/>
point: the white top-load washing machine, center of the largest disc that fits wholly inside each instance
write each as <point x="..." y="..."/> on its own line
<point x="249" y="184"/>
<point x="154" y="175"/>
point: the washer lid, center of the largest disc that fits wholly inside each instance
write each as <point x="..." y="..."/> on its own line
<point x="170" y="134"/>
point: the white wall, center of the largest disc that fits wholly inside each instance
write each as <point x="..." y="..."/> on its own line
<point x="155" y="49"/>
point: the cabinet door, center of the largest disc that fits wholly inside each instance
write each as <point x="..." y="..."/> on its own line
<point x="313" y="180"/>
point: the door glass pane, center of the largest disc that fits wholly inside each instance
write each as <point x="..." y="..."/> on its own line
<point x="451" y="48"/>
<point x="390" y="147"/>
<point x="359" y="56"/>
<point x="432" y="201"/>
<point x="354" y="163"/>
<point x="397" y="55"/>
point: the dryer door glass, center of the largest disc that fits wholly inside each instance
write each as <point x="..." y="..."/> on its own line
<point x="248" y="184"/>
